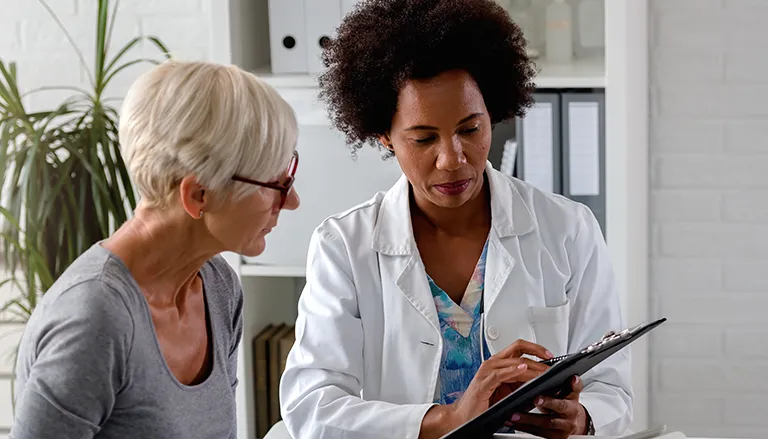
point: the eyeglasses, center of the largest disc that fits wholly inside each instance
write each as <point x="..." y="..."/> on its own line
<point x="284" y="188"/>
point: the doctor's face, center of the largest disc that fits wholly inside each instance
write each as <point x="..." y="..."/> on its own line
<point x="441" y="134"/>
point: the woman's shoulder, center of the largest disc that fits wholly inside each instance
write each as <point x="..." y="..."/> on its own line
<point x="95" y="283"/>
<point x="551" y="212"/>
<point x="87" y="302"/>
<point x="360" y="218"/>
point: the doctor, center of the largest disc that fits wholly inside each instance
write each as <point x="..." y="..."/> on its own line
<point x="428" y="302"/>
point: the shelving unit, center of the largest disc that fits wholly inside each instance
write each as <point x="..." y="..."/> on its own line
<point x="262" y="270"/>
<point x="582" y="73"/>
<point x="240" y="36"/>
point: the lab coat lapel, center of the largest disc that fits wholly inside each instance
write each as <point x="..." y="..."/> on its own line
<point x="393" y="240"/>
<point x="510" y="219"/>
<point x="498" y="266"/>
<point x="415" y="287"/>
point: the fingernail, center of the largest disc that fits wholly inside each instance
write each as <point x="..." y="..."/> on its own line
<point x="576" y="379"/>
<point x="515" y="417"/>
<point x="549" y="354"/>
<point x="522" y="366"/>
<point x="540" y="401"/>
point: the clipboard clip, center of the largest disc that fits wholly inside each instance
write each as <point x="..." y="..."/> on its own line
<point x="609" y="337"/>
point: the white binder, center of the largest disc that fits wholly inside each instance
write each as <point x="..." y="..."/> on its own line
<point x="288" y="36"/>
<point x="322" y="17"/>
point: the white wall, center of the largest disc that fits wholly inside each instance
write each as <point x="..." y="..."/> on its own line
<point x="29" y="36"/>
<point x="709" y="151"/>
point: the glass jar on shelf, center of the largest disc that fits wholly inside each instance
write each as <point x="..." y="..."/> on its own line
<point x="521" y="13"/>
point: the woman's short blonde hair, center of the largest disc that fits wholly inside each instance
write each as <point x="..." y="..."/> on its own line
<point x="203" y="119"/>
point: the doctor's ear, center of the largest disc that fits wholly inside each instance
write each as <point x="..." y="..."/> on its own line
<point x="386" y="142"/>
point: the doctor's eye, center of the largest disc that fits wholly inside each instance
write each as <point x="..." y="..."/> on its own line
<point x="425" y="140"/>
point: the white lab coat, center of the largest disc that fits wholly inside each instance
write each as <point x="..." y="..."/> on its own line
<point x="368" y="344"/>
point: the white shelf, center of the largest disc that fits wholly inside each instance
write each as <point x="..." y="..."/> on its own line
<point x="287" y="80"/>
<point x="262" y="270"/>
<point x="582" y="73"/>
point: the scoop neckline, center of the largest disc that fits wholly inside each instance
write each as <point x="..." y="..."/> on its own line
<point x="156" y="342"/>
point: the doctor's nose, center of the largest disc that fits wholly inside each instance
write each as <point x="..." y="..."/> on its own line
<point x="451" y="155"/>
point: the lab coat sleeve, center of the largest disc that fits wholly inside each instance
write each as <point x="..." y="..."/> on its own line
<point x="320" y="390"/>
<point x="596" y="309"/>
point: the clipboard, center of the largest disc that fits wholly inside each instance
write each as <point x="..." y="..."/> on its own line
<point x="554" y="382"/>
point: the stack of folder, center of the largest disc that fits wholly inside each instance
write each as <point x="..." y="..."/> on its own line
<point x="270" y="351"/>
<point x="299" y="30"/>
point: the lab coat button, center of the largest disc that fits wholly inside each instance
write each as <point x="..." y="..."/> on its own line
<point x="492" y="332"/>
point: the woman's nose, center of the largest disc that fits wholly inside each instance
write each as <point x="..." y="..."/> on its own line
<point x="451" y="156"/>
<point x="292" y="200"/>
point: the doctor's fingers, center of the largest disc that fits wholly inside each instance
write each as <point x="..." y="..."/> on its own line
<point x="522" y="347"/>
<point x="534" y="368"/>
<point x="491" y="376"/>
<point x="577" y="385"/>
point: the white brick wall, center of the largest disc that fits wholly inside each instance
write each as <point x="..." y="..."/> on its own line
<point x="29" y="36"/>
<point x="709" y="134"/>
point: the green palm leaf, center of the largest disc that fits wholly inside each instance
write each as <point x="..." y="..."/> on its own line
<point x="66" y="184"/>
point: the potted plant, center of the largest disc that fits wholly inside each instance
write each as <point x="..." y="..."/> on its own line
<point x="64" y="184"/>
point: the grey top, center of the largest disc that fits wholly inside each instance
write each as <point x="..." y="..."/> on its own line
<point x="90" y="364"/>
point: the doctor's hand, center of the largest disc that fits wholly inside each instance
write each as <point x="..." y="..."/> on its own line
<point x="498" y="376"/>
<point x="560" y="418"/>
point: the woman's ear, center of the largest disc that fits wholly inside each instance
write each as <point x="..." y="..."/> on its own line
<point x="193" y="197"/>
<point x="386" y="142"/>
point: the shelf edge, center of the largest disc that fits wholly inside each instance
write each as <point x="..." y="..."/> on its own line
<point x="260" y="270"/>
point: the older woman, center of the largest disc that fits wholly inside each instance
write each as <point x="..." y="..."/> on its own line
<point x="428" y="302"/>
<point x="139" y="337"/>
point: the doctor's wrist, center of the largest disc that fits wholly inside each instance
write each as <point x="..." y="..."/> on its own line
<point x="439" y="420"/>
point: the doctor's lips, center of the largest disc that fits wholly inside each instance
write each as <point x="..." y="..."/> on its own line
<point x="454" y="187"/>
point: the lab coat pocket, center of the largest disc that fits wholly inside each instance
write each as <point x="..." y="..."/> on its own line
<point x="550" y="326"/>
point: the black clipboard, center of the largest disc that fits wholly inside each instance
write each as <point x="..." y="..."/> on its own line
<point x="554" y="382"/>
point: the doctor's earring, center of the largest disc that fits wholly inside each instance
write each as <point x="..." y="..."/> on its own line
<point x="201" y="214"/>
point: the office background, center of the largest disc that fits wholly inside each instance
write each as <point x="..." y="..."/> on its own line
<point x="708" y="142"/>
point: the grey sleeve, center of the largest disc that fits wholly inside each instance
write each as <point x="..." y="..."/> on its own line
<point x="75" y="364"/>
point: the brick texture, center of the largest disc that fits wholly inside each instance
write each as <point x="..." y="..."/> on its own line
<point x="31" y="38"/>
<point x="709" y="216"/>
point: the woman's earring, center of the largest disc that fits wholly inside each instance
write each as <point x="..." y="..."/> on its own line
<point x="201" y="214"/>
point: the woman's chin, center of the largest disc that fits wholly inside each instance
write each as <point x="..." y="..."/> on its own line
<point x="254" y="248"/>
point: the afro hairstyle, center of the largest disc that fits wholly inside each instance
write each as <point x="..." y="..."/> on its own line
<point x="383" y="43"/>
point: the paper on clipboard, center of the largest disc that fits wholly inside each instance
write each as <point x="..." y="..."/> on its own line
<point x="583" y="149"/>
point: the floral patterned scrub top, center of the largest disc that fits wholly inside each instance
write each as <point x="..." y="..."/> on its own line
<point x="460" y="328"/>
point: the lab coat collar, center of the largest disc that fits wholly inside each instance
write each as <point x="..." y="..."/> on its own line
<point x="393" y="233"/>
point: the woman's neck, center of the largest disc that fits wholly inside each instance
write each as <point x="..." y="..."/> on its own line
<point x="164" y="251"/>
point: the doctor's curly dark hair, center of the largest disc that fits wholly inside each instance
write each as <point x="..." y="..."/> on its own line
<point x="383" y="43"/>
